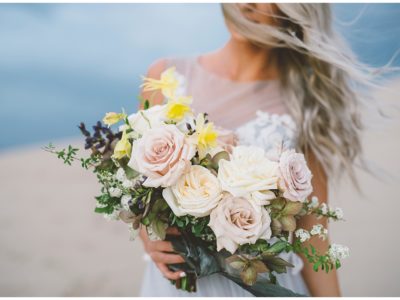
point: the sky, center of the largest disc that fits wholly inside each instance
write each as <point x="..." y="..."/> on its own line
<point x="61" y="64"/>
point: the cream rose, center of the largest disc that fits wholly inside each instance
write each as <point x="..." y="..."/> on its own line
<point x="196" y="193"/>
<point x="237" y="221"/>
<point x="162" y="155"/>
<point x="144" y="120"/>
<point x="295" y="176"/>
<point x="249" y="173"/>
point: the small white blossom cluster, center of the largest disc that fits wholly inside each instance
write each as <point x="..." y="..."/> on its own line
<point x="302" y="234"/>
<point x="123" y="181"/>
<point x="338" y="252"/>
<point x="325" y="210"/>
<point x="317" y="230"/>
<point x="320" y="231"/>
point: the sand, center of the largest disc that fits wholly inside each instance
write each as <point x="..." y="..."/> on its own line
<point x="53" y="244"/>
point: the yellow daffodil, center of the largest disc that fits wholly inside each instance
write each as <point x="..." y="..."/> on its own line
<point x="178" y="108"/>
<point x="206" y="135"/>
<point x="123" y="147"/>
<point x="169" y="82"/>
<point x="112" y="118"/>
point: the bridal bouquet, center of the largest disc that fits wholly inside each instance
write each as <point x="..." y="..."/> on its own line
<point x="235" y="206"/>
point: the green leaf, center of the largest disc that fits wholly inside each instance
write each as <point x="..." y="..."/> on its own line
<point x="276" y="248"/>
<point x="316" y="266"/>
<point x="337" y="264"/>
<point x="159" y="228"/>
<point x="146" y="104"/>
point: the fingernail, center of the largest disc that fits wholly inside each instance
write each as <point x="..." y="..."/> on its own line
<point x="183" y="274"/>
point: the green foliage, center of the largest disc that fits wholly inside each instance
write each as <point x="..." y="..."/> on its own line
<point x="106" y="204"/>
<point x="319" y="261"/>
<point x="69" y="154"/>
<point x="196" y="226"/>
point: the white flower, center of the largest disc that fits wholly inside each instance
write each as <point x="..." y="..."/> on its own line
<point x="120" y="175"/>
<point x="314" y="202"/>
<point x="317" y="229"/>
<point x="127" y="184"/>
<point x="249" y="173"/>
<point x="143" y="120"/>
<point x="324" y="208"/>
<point x="237" y="221"/>
<point x="196" y="193"/>
<point x="126" y="201"/>
<point x="337" y="252"/>
<point x="320" y="231"/>
<point x="302" y="234"/>
<point x="339" y="213"/>
<point x="115" y="192"/>
<point x="114" y="216"/>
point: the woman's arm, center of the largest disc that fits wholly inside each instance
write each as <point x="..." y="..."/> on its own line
<point x="320" y="284"/>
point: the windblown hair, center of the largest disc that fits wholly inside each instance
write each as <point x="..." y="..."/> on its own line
<point x="321" y="78"/>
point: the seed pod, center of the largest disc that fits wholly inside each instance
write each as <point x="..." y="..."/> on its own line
<point x="288" y="223"/>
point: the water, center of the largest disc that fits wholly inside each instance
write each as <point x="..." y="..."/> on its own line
<point x="64" y="63"/>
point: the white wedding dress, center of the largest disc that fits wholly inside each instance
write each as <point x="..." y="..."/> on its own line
<point x="256" y="113"/>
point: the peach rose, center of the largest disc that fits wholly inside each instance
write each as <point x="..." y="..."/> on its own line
<point x="163" y="154"/>
<point x="295" y="176"/>
<point x="237" y="221"/>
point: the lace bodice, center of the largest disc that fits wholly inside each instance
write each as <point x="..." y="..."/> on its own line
<point x="268" y="131"/>
<point x="254" y="110"/>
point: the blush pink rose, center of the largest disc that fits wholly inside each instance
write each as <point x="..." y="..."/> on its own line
<point x="163" y="154"/>
<point x="295" y="176"/>
<point x="237" y="221"/>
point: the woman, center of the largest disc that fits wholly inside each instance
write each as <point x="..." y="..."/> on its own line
<point x="283" y="75"/>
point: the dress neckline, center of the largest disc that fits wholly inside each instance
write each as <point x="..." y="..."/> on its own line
<point x="202" y="69"/>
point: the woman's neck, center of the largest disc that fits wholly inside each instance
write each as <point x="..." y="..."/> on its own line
<point x="242" y="61"/>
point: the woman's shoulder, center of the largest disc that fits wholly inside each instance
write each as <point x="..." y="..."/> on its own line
<point x="181" y="63"/>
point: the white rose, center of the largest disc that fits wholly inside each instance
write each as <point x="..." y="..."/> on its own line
<point x="249" y="173"/>
<point x="237" y="221"/>
<point x="162" y="155"/>
<point x="196" y="193"/>
<point x="143" y="120"/>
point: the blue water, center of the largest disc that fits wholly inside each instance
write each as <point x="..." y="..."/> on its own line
<point x="64" y="63"/>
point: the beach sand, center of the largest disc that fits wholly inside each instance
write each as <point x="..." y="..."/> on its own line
<point x="53" y="244"/>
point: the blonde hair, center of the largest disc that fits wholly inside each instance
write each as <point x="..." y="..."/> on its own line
<point x="321" y="78"/>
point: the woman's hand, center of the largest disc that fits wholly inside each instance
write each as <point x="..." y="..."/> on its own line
<point x="162" y="253"/>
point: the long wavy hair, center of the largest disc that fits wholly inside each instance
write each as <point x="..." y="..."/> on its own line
<point x="322" y="80"/>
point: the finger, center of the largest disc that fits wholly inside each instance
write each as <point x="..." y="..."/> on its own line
<point x="168" y="273"/>
<point x="160" y="246"/>
<point x="173" y="231"/>
<point x="165" y="258"/>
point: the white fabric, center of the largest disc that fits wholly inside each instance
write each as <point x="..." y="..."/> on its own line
<point x="256" y="112"/>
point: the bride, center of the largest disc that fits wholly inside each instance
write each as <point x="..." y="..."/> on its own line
<point x="283" y="76"/>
